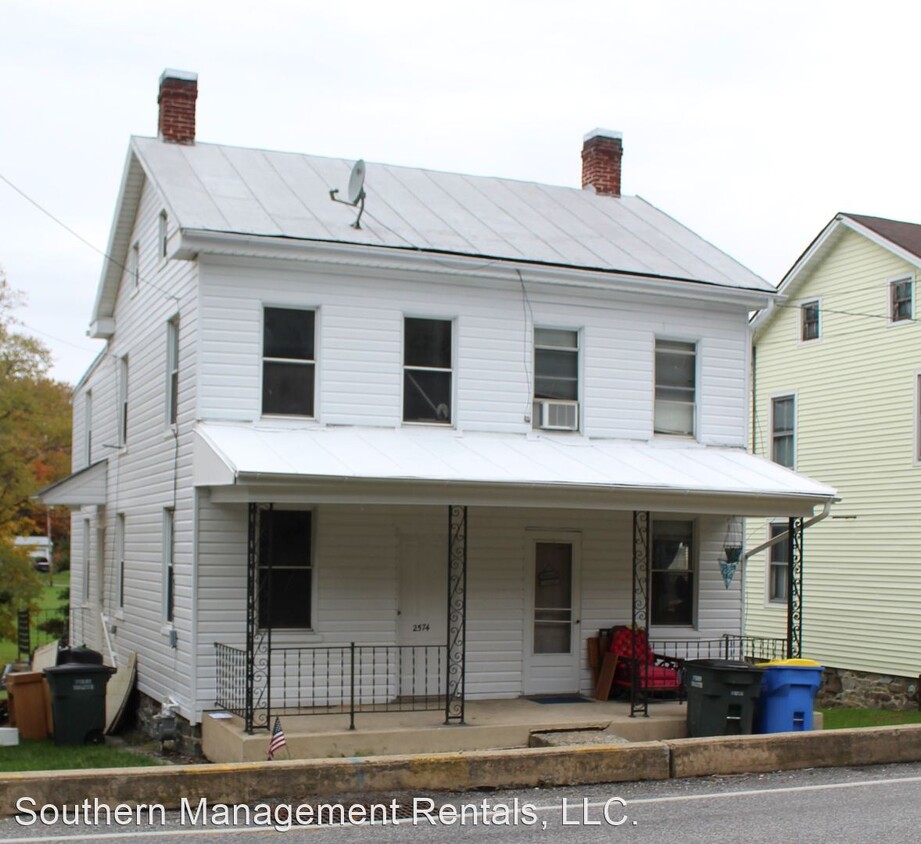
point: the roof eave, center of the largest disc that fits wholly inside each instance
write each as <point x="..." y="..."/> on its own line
<point x="195" y="242"/>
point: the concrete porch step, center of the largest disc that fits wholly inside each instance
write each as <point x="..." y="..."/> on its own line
<point x="490" y="725"/>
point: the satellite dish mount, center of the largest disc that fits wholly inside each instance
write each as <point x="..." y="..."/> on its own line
<point x="356" y="192"/>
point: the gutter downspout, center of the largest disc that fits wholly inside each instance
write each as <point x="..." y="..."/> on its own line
<point x="781" y="537"/>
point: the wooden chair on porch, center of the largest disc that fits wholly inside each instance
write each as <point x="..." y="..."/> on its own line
<point x="628" y="658"/>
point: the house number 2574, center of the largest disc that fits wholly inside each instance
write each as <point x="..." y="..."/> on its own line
<point x="421" y="628"/>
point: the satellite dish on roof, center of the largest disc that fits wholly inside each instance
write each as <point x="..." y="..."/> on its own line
<point x="357" y="182"/>
<point x="356" y="191"/>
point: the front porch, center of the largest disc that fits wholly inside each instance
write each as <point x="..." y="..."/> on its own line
<point x="489" y="725"/>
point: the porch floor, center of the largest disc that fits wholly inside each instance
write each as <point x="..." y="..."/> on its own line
<point x="490" y="725"/>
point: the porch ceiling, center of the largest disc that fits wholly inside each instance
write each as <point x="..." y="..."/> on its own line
<point x="423" y="466"/>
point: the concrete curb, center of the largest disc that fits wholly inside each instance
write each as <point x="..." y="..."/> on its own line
<point x="791" y="751"/>
<point x="302" y="779"/>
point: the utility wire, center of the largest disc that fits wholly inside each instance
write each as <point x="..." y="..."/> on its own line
<point x="83" y="240"/>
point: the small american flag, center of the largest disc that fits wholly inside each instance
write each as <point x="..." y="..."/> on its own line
<point x="277" y="742"/>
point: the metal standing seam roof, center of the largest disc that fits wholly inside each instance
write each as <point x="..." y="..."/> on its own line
<point x="213" y="188"/>
<point x="387" y="454"/>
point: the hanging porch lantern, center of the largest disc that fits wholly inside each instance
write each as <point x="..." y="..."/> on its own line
<point x="732" y="550"/>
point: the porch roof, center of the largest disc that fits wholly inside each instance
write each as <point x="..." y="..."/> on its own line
<point x="424" y="466"/>
<point x="85" y="487"/>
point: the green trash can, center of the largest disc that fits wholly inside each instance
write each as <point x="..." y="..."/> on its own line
<point x="78" y="702"/>
<point x="721" y="696"/>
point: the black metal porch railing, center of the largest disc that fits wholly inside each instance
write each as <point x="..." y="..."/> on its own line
<point x="341" y="679"/>
<point x="727" y="646"/>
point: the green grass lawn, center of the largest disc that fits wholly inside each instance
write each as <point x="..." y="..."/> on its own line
<point x="46" y="756"/>
<point x="840" y="719"/>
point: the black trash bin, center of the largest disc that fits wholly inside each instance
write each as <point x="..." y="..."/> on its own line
<point x="721" y="696"/>
<point x="78" y="701"/>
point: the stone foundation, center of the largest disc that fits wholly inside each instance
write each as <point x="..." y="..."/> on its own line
<point x="189" y="740"/>
<point x="859" y="689"/>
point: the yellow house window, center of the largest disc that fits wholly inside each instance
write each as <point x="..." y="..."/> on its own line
<point x="809" y="314"/>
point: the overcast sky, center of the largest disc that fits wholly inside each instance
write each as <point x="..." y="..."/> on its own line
<point x="751" y="123"/>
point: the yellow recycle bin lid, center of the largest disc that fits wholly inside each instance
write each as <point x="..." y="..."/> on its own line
<point x="790" y="663"/>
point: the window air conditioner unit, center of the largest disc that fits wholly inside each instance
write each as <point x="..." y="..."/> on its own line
<point x="559" y="415"/>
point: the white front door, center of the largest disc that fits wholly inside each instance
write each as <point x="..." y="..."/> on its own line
<point x="553" y="644"/>
<point x="422" y="625"/>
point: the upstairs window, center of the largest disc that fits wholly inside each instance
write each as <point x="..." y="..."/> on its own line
<point x="901" y="299"/>
<point x="427" y="373"/>
<point x="285" y="569"/>
<point x="673" y="571"/>
<point x="134" y="265"/>
<point x="172" y="371"/>
<point x="162" y="235"/>
<point x="783" y="424"/>
<point x="556" y="379"/>
<point x="780" y="566"/>
<point x="809" y="321"/>
<point x="288" y="362"/>
<point x="676" y="377"/>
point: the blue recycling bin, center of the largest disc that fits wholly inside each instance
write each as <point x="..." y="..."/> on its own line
<point x="788" y="689"/>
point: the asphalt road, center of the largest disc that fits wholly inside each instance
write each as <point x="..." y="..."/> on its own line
<point x="840" y="805"/>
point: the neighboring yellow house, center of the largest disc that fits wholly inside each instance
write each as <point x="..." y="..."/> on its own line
<point x="837" y="396"/>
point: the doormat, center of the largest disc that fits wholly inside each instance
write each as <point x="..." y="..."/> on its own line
<point x="560" y="699"/>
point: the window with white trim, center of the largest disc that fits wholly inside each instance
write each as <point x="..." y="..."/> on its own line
<point x="134" y="265"/>
<point x="672" y="587"/>
<point x="288" y="362"/>
<point x="123" y="400"/>
<point x="901" y="299"/>
<point x="120" y="558"/>
<point x="778" y="572"/>
<point x="810" y="314"/>
<point x="169" y="572"/>
<point x="172" y="371"/>
<point x="162" y="234"/>
<point x="556" y="379"/>
<point x="783" y="428"/>
<point x="285" y="569"/>
<point x="676" y="387"/>
<point x="427" y="371"/>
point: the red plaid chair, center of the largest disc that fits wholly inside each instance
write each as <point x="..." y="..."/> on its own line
<point x="654" y="672"/>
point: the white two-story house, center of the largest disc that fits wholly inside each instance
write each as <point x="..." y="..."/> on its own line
<point x="423" y="455"/>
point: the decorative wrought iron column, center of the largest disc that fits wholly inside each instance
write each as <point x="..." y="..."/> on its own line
<point x="258" y="641"/>
<point x="795" y="589"/>
<point x="642" y="552"/>
<point x="457" y="614"/>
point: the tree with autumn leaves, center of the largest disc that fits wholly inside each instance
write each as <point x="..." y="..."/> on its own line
<point x="35" y="430"/>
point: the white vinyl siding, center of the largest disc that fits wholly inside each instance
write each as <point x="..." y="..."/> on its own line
<point x="142" y="478"/>
<point x="856" y="430"/>
<point x="360" y="349"/>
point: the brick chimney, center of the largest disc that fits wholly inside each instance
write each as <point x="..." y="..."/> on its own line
<point x="602" y="150"/>
<point x="178" y="92"/>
